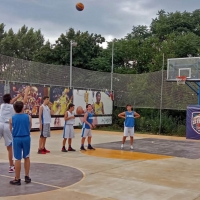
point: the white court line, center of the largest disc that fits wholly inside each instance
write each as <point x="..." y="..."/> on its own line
<point x="35" y="182"/>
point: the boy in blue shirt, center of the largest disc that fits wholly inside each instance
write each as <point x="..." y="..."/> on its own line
<point x="86" y="128"/>
<point x="20" y="125"/>
<point x="129" y="124"/>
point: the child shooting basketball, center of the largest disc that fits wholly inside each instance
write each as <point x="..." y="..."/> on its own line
<point x="86" y="128"/>
<point x="20" y="126"/>
<point x="6" y="112"/>
<point x="45" y="113"/>
<point x="129" y="124"/>
<point x="69" y="128"/>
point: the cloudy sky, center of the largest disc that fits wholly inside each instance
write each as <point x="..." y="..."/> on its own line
<point x="110" y="18"/>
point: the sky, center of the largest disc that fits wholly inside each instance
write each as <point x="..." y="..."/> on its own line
<point x="110" y="18"/>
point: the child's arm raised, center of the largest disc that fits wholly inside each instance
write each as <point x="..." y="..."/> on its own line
<point x="15" y="99"/>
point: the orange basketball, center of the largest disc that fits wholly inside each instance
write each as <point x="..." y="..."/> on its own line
<point x="79" y="6"/>
<point x="79" y="110"/>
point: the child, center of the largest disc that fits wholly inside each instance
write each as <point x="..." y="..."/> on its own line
<point x="86" y="128"/>
<point x="6" y="112"/>
<point x="45" y="113"/>
<point x="129" y="123"/>
<point x="20" y="125"/>
<point x="69" y="128"/>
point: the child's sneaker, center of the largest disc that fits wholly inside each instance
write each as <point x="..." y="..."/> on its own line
<point x="71" y="149"/>
<point x="45" y="150"/>
<point x="82" y="148"/>
<point x="15" y="182"/>
<point x="90" y="147"/>
<point x="41" y="151"/>
<point x="131" y="147"/>
<point x="122" y="146"/>
<point x="64" y="149"/>
<point x="11" y="169"/>
<point x="27" y="179"/>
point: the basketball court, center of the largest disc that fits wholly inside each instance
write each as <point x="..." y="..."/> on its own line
<point x="159" y="167"/>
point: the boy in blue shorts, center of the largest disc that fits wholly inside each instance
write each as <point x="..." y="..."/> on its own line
<point x="86" y="128"/>
<point x="129" y="124"/>
<point x="20" y="125"/>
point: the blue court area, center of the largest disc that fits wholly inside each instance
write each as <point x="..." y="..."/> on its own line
<point x="175" y="148"/>
<point x="45" y="177"/>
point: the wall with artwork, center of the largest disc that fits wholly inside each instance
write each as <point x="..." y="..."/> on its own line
<point x="61" y="97"/>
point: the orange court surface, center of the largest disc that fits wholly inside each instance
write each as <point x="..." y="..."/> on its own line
<point x="158" y="168"/>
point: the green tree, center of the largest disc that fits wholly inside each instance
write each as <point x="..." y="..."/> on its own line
<point x="45" y="54"/>
<point x="29" y="42"/>
<point x="86" y="49"/>
<point x="139" y="32"/>
<point x="8" y="44"/>
<point x="2" y="32"/>
<point x="187" y="45"/>
<point x="178" y="23"/>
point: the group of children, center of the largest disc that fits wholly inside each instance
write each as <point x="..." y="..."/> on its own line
<point x="15" y="127"/>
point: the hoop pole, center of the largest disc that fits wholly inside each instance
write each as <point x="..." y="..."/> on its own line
<point x="198" y="93"/>
<point x="161" y="95"/>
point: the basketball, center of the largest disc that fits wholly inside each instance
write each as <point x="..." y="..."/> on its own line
<point x="79" y="110"/>
<point x="79" y="6"/>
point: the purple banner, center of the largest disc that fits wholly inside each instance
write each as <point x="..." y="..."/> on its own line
<point x="193" y="122"/>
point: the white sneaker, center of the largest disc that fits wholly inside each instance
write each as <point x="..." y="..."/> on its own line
<point x="11" y="169"/>
<point x="131" y="147"/>
<point x="122" y="146"/>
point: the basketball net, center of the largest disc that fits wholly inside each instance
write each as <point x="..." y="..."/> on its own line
<point x="181" y="80"/>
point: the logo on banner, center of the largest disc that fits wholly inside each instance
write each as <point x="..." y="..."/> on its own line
<point x="195" y="122"/>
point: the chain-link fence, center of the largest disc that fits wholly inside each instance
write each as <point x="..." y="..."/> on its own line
<point x="141" y="90"/>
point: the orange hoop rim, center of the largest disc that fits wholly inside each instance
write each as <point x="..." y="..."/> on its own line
<point x="182" y="78"/>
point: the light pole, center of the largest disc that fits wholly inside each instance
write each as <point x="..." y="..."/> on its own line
<point x="112" y="66"/>
<point x="72" y="44"/>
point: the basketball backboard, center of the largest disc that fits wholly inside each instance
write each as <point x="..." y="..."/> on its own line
<point x="189" y="67"/>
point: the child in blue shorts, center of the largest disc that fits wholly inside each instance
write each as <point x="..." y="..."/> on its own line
<point x="20" y="125"/>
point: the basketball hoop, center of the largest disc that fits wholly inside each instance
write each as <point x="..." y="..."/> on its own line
<point x="181" y="80"/>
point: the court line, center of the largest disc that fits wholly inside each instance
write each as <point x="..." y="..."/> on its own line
<point x="58" y="188"/>
<point x="34" y="182"/>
